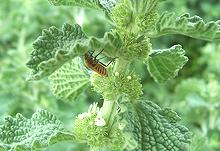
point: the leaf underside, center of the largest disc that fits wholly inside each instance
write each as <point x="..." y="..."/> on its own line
<point x="22" y="134"/>
<point x="56" y="47"/>
<point x="153" y="128"/>
<point x="192" y="26"/>
<point x="69" y="81"/>
<point x="164" y="65"/>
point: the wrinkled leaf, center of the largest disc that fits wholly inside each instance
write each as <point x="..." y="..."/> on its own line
<point x="192" y="26"/>
<point x="69" y="81"/>
<point x="143" y="6"/>
<point x="22" y="134"/>
<point x="152" y="128"/>
<point x="107" y="5"/>
<point x="55" y="47"/>
<point x="164" y="65"/>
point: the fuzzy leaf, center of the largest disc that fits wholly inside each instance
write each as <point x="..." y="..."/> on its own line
<point x="143" y="6"/>
<point x="22" y="134"/>
<point x="165" y="64"/>
<point x="152" y="128"/>
<point x="131" y="13"/>
<point x="194" y="27"/>
<point x="55" y="47"/>
<point x="107" y="5"/>
<point x="69" y="81"/>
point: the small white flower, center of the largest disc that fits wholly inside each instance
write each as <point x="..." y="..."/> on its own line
<point x="129" y="77"/>
<point x="84" y="115"/>
<point x="93" y="108"/>
<point x="91" y="123"/>
<point x="116" y="74"/>
<point x="100" y="122"/>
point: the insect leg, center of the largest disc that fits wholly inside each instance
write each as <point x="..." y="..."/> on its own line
<point x="107" y="64"/>
<point x="99" y="53"/>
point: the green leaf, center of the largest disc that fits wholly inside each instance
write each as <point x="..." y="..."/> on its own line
<point x="143" y="6"/>
<point x="107" y="5"/>
<point x="81" y="3"/>
<point x="152" y="128"/>
<point x="55" y="47"/>
<point x="133" y="15"/>
<point x="69" y="81"/>
<point x="194" y="27"/>
<point x="22" y="134"/>
<point x="165" y="64"/>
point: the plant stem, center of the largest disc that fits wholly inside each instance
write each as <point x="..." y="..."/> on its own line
<point x="109" y="110"/>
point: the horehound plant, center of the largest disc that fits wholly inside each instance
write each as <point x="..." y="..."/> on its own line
<point x="126" y="121"/>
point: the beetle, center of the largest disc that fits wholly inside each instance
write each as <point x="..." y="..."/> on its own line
<point x="94" y="64"/>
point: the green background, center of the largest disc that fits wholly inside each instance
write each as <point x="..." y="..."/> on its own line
<point x="194" y="94"/>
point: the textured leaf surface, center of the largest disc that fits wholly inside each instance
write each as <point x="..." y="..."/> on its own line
<point x="55" y="47"/>
<point x="69" y="81"/>
<point x="143" y="6"/>
<point x="107" y="5"/>
<point x="39" y="131"/>
<point x="131" y="14"/>
<point x="165" y="64"/>
<point x="193" y="26"/>
<point x="153" y="128"/>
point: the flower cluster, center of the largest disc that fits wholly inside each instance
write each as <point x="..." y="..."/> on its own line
<point x="92" y="128"/>
<point x="118" y="84"/>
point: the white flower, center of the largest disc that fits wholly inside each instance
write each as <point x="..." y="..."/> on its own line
<point x="129" y="77"/>
<point x="84" y="115"/>
<point x="100" y="122"/>
<point x="93" y="108"/>
<point x="91" y="123"/>
<point x="116" y="74"/>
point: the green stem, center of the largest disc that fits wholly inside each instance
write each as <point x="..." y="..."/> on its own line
<point x="109" y="110"/>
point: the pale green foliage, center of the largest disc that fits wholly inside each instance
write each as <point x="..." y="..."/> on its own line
<point x="200" y="143"/>
<point x="56" y="47"/>
<point x="145" y="125"/>
<point x="207" y="91"/>
<point x="135" y="15"/>
<point x="107" y="5"/>
<point x="69" y="81"/>
<point x="165" y="64"/>
<point x="116" y="84"/>
<point x="201" y="99"/>
<point x="81" y="3"/>
<point x="42" y="129"/>
<point x="97" y="136"/>
<point x="194" y="26"/>
<point x="135" y="47"/>
<point x="211" y="55"/>
<point x="189" y="87"/>
<point x="152" y="128"/>
<point x="146" y="22"/>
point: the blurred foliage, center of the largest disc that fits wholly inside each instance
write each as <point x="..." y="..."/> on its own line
<point x="194" y="94"/>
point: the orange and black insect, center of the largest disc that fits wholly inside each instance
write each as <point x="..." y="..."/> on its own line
<point x="94" y="64"/>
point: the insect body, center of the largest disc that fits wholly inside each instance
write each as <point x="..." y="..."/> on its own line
<point x="95" y="65"/>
